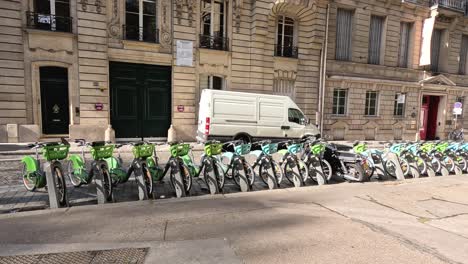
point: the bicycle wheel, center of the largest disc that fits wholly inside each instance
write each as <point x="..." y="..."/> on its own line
<point x="461" y="162"/>
<point x="240" y="176"/>
<point x="226" y="162"/>
<point x="211" y="179"/>
<point x="357" y="172"/>
<point x="250" y="172"/>
<point x="422" y="166"/>
<point x="107" y="184"/>
<point x="29" y="179"/>
<point x="449" y="164"/>
<point x="74" y="179"/>
<point x="327" y="169"/>
<point x="220" y="174"/>
<point x="278" y="172"/>
<point x="268" y="176"/>
<point x="148" y="182"/>
<point x="436" y="165"/>
<point x="405" y="167"/>
<point x="60" y="186"/>
<point x="293" y="174"/>
<point x="177" y="180"/>
<point x="304" y="170"/>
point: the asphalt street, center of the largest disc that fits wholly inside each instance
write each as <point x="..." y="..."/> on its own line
<point x="415" y="221"/>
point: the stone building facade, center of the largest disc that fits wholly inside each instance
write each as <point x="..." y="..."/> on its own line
<point x="84" y="68"/>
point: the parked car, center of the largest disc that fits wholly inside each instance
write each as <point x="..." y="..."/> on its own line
<point x="226" y="115"/>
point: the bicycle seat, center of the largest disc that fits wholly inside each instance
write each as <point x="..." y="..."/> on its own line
<point x="117" y="146"/>
<point x="81" y="142"/>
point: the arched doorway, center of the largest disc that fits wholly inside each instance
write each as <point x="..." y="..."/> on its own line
<point x="55" y="111"/>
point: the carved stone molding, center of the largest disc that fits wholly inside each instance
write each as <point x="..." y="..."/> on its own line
<point x="114" y="24"/>
<point x="165" y="37"/>
<point x="236" y="13"/>
<point x="191" y="9"/>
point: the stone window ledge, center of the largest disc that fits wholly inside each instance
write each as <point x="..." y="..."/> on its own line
<point x="50" y="32"/>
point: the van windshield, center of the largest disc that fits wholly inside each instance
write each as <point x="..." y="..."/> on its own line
<point x="296" y="116"/>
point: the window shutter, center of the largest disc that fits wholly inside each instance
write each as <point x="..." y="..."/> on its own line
<point x="405" y="30"/>
<point x="435" y="49"/>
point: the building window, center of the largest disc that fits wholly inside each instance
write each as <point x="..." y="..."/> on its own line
<point x="463" y="69"/>
<point x="340" y="100"/>
<point x="296" y="116"/>
<point x="213" y="24"/>
<point x="344" y="27"/>
<point x="140" y="21"/>
<point x="375" y="39"/>
<point x="435" y="49"/>
<point x="285" y="38"/>
<point x="212" y="82"/>
<point x="371" y="103"/>
<point x="399" y="105"/>
<point x="282" y="86"/>
<point x="51" y="15"/>
<point x="405" y="35"/>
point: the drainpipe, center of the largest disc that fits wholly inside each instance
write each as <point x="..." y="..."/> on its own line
<point x="324" y="71"/>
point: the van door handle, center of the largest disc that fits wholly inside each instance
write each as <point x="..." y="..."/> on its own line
<point x="285" y="127"/>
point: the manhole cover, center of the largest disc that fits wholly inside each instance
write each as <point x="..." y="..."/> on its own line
<point x="114" y="256"/>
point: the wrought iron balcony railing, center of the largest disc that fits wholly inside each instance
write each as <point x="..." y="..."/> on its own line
<point x="48" y="22"/>
<point x="137" y="33"/>
<point x="456" y="5"/>
<point x="214" y="42"/>
<point x="286" y="51"/>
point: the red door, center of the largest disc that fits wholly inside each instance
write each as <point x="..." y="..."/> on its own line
<point x="423" y="118"/>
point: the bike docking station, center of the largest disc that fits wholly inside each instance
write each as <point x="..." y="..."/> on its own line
<point x="398" y="171"/>
<point x="54" y="201"/>
<point x="380" y="170"/>
<point x="101" y="194"/>
<point x="139" y="177"/>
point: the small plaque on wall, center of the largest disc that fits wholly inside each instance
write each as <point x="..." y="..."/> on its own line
<point x="99" y="106"/>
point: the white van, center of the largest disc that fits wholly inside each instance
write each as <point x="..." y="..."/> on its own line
<point x="226" y="115"/>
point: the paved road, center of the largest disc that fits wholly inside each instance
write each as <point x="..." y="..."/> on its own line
<point x="416" y="221"/>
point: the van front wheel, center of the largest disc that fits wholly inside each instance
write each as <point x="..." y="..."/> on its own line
<point x="245" y="138"/>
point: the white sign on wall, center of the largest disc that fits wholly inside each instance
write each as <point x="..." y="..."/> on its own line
<point x="401" y="98"/>
<point x="184" y="53"/>
<point x="458" y="108"/>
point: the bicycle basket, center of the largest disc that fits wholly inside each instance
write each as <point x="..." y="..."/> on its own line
<point x="359" y="148"/>
<point x="242" y="149"/>
<point x="178" y="150"/>
<point x="55" y="152"/>
<point x="102" y="152"/>
<point x="213" y="149"/>
<point x="143" y="151"/>
<point x="270" y="148"/>
<point x="295" y="148"/>
<point x="317" y="149"/>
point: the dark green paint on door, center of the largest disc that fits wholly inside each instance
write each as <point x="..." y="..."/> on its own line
<point x="140" y="100"/>
<point x="54" y="100"/>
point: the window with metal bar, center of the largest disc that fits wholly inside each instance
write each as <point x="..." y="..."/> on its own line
<point x="371" y="103"/>
<point x="340" y="100"/>
<point x="140" y="20"/>
<point x="375" y="39"/>
<point x="405" y="35"/>
<point x="213" y="24"/>
<point x="463" y="69"/>
<point x="344" y="27"/>
<point x="51" y="15"/>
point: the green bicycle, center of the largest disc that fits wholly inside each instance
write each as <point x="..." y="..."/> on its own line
<point x="35" y="177"/>
<point x="142" y="151"/>
<point x="79" y="174"/>
<point x="180" y="174"/>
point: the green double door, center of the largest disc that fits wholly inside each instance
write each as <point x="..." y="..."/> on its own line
<point x="140" y="100"/>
